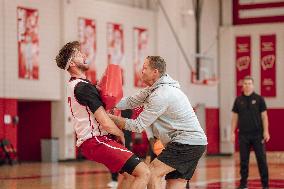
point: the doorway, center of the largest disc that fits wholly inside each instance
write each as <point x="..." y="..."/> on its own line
<point x="34" y="125"/>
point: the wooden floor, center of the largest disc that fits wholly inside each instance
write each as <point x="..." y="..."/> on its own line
<point x="212" y="173"/>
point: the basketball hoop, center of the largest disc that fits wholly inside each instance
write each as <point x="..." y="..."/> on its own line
<point x="207" y="71"/>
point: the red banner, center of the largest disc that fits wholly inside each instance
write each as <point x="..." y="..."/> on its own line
<point x="115" y="45"/>
<point x="140" y="48"/>
<point x="28" y="43"/>
<point x="87" y="38"/>
<point x="243" y="60"/>
<point x="268" y="65"/>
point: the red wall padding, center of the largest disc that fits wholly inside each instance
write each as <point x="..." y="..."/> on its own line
<point x="1" y="118"/>
<point x="11" y="130"/>
<point x="212" y="130"/>
<point x="276" y="129"/>
<point x="35" y="124"/>
<point x="8" y="131"/>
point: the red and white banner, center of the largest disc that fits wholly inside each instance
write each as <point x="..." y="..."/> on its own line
<point x="257" y="11"/>
<point x="243" y="60"/>
<point x="28" y="43"/>
<point x="140" y="49"/>
<point x="268" y="65"/>
<point x="87" y="39"/>
<point x="115" y="46"/>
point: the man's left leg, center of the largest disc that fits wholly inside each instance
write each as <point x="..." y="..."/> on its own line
<point x="178" y="180"/>
<point x="260" y="153"/>
<point x="176" y="183"/>
<point x="178" y="162"/>
<point x="125" y="181"/>
<point x="158" y="169"/>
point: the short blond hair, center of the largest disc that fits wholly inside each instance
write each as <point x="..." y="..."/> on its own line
<point x="248" y="77"/>
<point x="157" y="62"/>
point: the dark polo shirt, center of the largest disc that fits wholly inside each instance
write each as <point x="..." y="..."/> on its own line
<point x="249" y="109"/>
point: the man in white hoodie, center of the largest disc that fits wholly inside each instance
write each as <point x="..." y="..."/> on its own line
<point x="167" y="115"/>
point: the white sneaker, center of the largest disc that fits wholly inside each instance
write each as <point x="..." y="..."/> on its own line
<point x="112" y="184"/>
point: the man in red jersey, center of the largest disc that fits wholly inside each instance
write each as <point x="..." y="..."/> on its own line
<point x="92" y="125"/>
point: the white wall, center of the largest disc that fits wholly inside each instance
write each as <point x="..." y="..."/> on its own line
<point x="133" y="3"/>
<point x="47" y="87"/>
<point x="59" y="24"/>
<point x="166" y="45"/>
<point x="227" y="12"/>
<point x="1" y="49"/>
<point x="185" y="28"/>
<point x="102" y="13"/>
<point x="227" y="70"/>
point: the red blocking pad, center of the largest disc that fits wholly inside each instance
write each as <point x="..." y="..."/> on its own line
<point x="111" y="86"/>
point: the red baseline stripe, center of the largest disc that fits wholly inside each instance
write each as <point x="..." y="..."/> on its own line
<point x="43" y="176"/>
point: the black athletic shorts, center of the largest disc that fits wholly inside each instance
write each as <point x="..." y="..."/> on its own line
<point x="183" y="158"/>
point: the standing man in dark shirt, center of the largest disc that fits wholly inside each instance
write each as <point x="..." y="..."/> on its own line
<point x="92" y="124"/>
<point x="249" y="113"/>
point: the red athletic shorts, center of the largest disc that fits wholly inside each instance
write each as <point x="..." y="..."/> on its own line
<point x="109" y="152"/>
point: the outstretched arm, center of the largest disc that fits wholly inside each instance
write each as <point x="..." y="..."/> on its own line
<point x="152" y="110"/>
<point x="133" y="101"/>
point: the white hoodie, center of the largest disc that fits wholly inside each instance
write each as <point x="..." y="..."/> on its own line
<point x="167" y="114"/>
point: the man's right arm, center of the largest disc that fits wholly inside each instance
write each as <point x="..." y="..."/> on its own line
<point x="134" y="101"/>
<point x="234" y="121"/>
<point x="152" y="110"/>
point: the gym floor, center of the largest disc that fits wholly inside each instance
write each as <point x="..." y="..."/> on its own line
<point x="212" y="173"/>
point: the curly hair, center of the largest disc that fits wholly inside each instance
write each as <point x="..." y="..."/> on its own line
<point x="65" y="53"/>
<point x="157" y="62"/>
